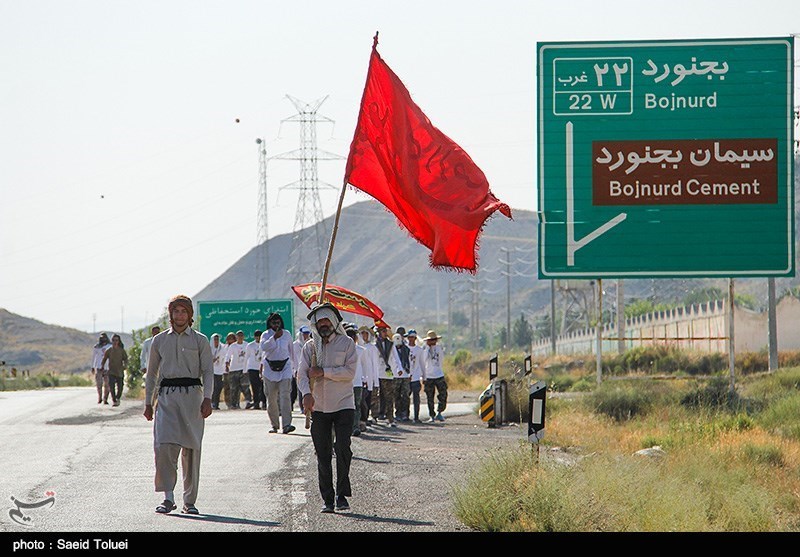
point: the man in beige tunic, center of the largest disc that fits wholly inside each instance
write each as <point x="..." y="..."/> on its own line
<point x="180" y="361"/>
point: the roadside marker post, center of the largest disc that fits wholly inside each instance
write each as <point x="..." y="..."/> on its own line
<point x="536" y="413"/>
<point x="487" y="406"/>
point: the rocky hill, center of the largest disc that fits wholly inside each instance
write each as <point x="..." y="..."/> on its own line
<point x="375" y="257"/>
<point x="28" y="344"/>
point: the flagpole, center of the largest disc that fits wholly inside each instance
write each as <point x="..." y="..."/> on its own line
<point x="321" y="298"/>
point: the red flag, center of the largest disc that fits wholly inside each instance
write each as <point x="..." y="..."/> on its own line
<point x="341" y="298"/>
<point x="435" y="190"/>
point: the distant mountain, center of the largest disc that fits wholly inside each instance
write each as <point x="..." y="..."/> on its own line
<point x="28" y="344"/>
<point x="376" y="258"/>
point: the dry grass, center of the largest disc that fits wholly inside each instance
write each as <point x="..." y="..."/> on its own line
<point x="723" y="470"/>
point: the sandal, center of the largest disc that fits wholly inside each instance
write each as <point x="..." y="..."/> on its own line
<point x="190" y="509"/>
<point x="166" y="507"/>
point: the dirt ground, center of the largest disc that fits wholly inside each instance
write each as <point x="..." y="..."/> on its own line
<point x="402" y="477"/>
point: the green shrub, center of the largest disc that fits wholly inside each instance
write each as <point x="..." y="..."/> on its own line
<point x="561" y="383"/>
<point x="620" y="401"/>
<point x="697" y="492"/>
<point x="751" y="362"/>
<point x="133" y="371"/>
<point x="715" y="393"/>
<point x="783" y="416"/>
<point x="584" y="384"/>
<point x="763" y="454"/>
<point x="707" y="364"/>
<point x="484" y="501"/>
<point x="789" y="359"/>
<point x="461" y="357"/>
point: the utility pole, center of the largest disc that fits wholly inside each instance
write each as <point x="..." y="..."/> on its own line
<point x="94" y="323"/>
<point x="121" y="319"/>
<point x="599" y="331"/>
<point x="773" y="326"/>
<point x="438" y="312"/>
<point x="262" y="232"/>
<point x="449" y="311"/>
<point x="475" y="310"/>
<point x="507" y="263"/>
<point x="620" y="317"/>
<point x="731" y="345"/>
<point x="553" y="344"/>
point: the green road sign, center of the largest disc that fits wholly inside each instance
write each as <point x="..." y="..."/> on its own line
<point x="666" y="158"/>
<point x="226" y="316"/>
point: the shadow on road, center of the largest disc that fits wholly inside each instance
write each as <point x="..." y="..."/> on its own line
<point x="391" y="520"/>
<point x="226" y="519"/>
<point x="371" y="461"/>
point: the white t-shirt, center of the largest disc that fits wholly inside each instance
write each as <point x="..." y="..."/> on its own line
<point x="145" y="353"/>
<point x="218" y="358"/>
<point x="371" y="365"/>
<point x="253" y="355"/>
<point x="432" y="360"/>
<point x="97" y="356"/>
<point x="358" y="378"/>
<point x="415" y="357"/>
<point x="236" y="357"/>
<point x="277" y="349"/>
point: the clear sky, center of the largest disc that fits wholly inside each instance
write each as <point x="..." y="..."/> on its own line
<point x="125" y="177"/>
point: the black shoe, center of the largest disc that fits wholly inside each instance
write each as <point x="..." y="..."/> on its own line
<point x="165" y="507"/>
<point x="289" y="428"/>
<point x="356" y="433"/>
<point x="248" y="406"/>
<point x="327" y="508"/>
<point x="342" y="504"/>
<point x="190" y="509"/>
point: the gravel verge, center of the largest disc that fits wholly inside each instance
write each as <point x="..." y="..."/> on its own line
<point x="402" y="478"/>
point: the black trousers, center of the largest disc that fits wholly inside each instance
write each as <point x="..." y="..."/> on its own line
<point x="323" y="426"/>
<point x="259" y="398"/>
<point x="115" y="385"/>
<point x="218" y="384"/>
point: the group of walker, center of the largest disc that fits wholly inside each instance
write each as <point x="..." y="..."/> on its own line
<point x="341" y="379"/>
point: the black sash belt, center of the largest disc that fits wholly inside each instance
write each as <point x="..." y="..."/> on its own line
<point x="173" y="383"/>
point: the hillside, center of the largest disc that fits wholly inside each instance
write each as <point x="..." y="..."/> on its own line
<point x="28" y="344"/>
<point x="375" y="257"/>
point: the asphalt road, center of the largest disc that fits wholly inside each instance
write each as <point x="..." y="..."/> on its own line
<point x="93" y="464"/>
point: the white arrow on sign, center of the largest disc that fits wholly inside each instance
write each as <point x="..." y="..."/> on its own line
<point x="572" y="244"/>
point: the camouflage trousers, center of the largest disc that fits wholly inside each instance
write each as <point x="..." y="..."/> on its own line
<point x="440" y="385"/>
<point x="387" y="394"/>
<point x="402" y="397"/>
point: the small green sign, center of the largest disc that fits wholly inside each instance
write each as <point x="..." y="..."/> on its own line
<point x="227" y="316"/>
<point x="666" y="158"/>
